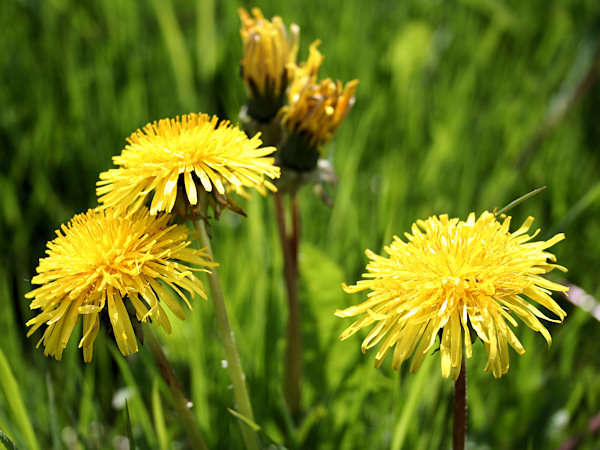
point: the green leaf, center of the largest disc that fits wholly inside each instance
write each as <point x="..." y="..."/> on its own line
<point x="15" y="401"/>
<point x="272" y="445"/>
<point x="8" y="444"/>
<point x="137" y="404"/>
<point x="244" y="419"/>
<point x="128" y="424"/>
<point x="159" y="417"/>
<point x="521" y="199"/>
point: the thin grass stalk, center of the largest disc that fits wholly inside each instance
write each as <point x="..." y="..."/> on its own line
<point x="234" y="365"/>
<point x="192" y="430"/>
<point x="290" y="241"/>
<point x="459" y="433"/>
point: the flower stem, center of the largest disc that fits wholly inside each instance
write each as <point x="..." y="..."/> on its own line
<point x="240" y="392"/>
<point x="181" y="403"/>
<point x="293" y="356"/>
<point x="459" y="434"/>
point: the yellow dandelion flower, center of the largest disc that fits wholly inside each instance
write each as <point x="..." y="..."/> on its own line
<point x="99" y="259"/>
<point x="453" y="276"/>
<point x="195" y="152"/>
<point x="306" y="73"/>
<point x="316" y="110"/>
<point x="268" y="53"/>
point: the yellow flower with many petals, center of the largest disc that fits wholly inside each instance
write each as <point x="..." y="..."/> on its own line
<point x="193" y="152"/>
<point x="269" y="53"/>
<point x="100" y="259"/>
<point x="453" y="276"/>
<point x="316" y="109"/>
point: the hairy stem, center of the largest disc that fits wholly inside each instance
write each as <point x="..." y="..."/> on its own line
<point x="236" y="373"/>
<point x="293" y="357"/>
<point x="181" y="403"/>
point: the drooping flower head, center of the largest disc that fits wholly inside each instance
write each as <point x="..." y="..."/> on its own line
<point x="269" y="52"/>
<point x="452" y="276"/>
<point x="193" y="152"/>
<point x="99" y="262"/>
<point x="314" y="112"/>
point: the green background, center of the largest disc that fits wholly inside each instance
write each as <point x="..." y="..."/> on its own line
<point x="462" y="106"/>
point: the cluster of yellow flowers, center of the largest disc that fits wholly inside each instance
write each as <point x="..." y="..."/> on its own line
<point x="314" y="109"/>
<point x="121" y="250"/>
<point x="451" y="278"/>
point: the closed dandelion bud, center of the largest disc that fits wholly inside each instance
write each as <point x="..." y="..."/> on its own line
<point x="314" y="112"/>
<point x="269" y="52"/>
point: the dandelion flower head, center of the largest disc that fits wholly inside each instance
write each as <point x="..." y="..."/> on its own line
<point x="451" y="276"/>
<point x="194" y="152"/>
<point x="102" y="260"/>
<point x="269" y="53"/>
<point x="316" y="109"/>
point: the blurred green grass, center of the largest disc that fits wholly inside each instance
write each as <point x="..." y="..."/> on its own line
<point x="462" y="106"/>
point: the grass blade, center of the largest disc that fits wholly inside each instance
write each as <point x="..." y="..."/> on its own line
<point x="520" y="200"/>
<point x="129" y="429"/>
<point x="8" y="444"/>
<point x="15" y="401"/>
<point x="159" y="417"/>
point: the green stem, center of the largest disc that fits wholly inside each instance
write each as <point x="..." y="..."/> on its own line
<point x="293" y="356"/>
<point x="520" y="200"/>
<point x="181" y="403"/>
<point x="459" y="434"/>
<point x="240" y="393"/>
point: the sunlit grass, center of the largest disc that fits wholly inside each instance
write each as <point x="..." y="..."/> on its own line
<point x="451" y="101"/>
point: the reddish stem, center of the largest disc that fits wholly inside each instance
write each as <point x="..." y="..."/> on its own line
<point x="459" y="434"/>
<point x="290" y="240"/>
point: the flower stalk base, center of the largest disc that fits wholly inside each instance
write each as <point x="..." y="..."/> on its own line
<point x="234" y="365"/>
<point x="459" y="433"/>
<point x="293" y="355"/>
<point x="181" y="403"/>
